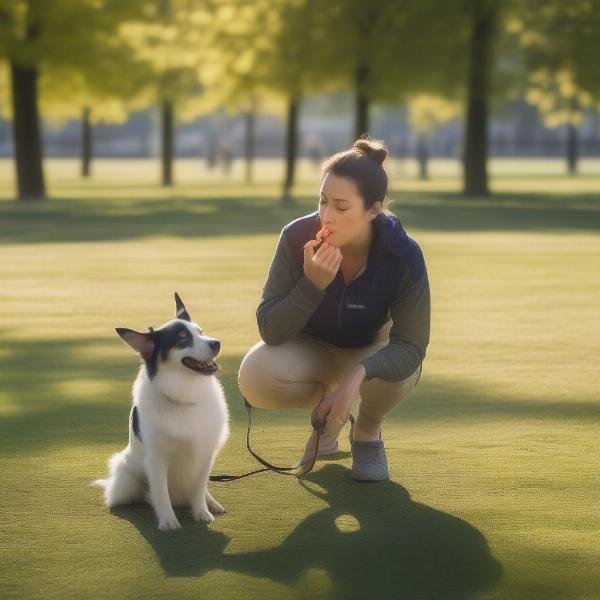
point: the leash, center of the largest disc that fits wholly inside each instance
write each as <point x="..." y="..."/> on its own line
<point x="318" y="426"/>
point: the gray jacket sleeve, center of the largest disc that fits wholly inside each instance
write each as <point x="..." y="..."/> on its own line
<point x="288" y="299"/>
<point x="409" y="334"/>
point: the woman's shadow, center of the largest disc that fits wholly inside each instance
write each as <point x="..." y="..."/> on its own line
<point x="372" y="540"/>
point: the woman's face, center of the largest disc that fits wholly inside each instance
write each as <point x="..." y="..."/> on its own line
<point x="342" y="211"/>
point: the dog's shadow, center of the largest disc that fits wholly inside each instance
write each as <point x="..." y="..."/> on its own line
<point x="372" y="540"/>
<point x="189" y="551"/>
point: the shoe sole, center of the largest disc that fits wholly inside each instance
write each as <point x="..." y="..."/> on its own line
<point x="369" y="480"/>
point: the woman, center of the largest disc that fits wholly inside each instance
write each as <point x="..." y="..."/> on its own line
<point x="349" y="319"/>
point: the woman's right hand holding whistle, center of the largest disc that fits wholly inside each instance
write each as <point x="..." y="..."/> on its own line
<point x="321" y="267"/>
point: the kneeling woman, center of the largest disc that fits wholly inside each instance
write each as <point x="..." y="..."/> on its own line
<point x="346" y="318"/>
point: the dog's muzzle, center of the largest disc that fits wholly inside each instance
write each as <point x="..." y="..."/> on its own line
<point x="205" y="367"/>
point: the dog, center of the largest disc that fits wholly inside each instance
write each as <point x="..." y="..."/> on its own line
<point x="178" y="423"/>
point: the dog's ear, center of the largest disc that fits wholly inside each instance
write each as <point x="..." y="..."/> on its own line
<point x="181" y="312"/>
<point x="142" y="343"/>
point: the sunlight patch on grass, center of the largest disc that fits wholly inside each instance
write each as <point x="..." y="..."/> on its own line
<point x="347" y="523"/>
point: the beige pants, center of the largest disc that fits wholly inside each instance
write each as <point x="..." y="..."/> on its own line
<point x="299" y="372"/>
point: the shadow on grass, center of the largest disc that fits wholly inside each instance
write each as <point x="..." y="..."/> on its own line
<point x="452" y="212"/>
<point x="190" y="551"/>
<point x="61" y="220"/>
<point x="104" y="219"/>
<point x="57" y="393"/>
<point x="372" y="541"/>
<point x="399" y="548"/>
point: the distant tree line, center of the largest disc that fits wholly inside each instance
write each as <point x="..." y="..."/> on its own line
<point x="98" y="59"/>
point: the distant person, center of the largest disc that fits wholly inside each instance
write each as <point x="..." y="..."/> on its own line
<point x="314" y="150"/>
<point x="226" y="156"/>
<point x="350" y="318"/>
<point x="211" y="153"/>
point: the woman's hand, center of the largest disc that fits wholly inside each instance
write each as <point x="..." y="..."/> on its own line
<point x="321" y="266"/>
<point x="336" y="407"/>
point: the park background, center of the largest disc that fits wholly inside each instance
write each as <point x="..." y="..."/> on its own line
<point x="153" y="146"/>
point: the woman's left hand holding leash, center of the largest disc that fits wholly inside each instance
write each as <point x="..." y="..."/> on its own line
<point x="336" y="407"/>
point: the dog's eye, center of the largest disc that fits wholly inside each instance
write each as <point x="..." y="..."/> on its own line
<point x="182" y="334"/>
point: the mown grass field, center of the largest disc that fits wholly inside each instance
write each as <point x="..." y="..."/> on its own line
<point x="494" y="489"/>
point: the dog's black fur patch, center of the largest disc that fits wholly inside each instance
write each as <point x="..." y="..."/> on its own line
<point x="165" y="339"/>
<point x="135" y="423"/>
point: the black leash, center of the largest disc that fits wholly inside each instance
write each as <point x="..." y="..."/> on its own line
<point x="318" y="426"/>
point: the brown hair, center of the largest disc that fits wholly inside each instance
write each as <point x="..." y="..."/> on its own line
<point x="363" y="164"/>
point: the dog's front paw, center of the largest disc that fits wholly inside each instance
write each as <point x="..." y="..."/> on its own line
<point x="214" y="507"/>
<point x="202" y="514"/>
<point x="168" y="522"/>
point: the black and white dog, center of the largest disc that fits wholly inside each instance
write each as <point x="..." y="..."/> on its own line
<point x="178" y="423"/>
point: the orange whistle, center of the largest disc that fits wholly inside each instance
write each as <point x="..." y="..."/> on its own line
<point x="322" y="233"/>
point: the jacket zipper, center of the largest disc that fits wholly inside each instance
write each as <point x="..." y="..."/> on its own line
<point x="339" y="315"/>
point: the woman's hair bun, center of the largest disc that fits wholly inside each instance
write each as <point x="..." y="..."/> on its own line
<point x="374" y="148"/>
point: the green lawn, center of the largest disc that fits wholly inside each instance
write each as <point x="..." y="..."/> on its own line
<point x="494" y="489"/>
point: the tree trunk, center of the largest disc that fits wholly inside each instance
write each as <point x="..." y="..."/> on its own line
<point x="86" y="141"/>
<point x="361" y="106"/>
<point x="167" y="142"/>
<point x="572" y="151"/>
<point x="483" y="15"/>
<point x="423" y="157"/>
<point x="250" y="143"/>
<point x="26" y="128"/>
<point x="291" y="147"/>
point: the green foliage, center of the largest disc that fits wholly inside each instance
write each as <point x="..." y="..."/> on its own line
<point x="427" y="111"/>
<point x="560" y="40"/>
<point x="78" y="51"/>
<point x="59" y="32"/>
<point x="557" y="97"/>
<point x="172" y="38"/>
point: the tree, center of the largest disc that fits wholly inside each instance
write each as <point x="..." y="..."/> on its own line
<point x="426" y="112"/>
<point x="231" y="76"/>
<point x="170" y="38"/>
<point x="560" y="41"/>
<point x="95" y="92"/>
<point x="280" y="44"/>
<point x="483" y="18"/>
<point x="20" y="32"/>
<point x="289" y="58"/>
<point x="363" y="48"/>
<point x="35" y="38"/>
<point x="560" y="103"/>
<point x="470" y="60"/>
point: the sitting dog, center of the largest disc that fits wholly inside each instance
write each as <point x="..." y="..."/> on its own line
<point x="178" y="423"/>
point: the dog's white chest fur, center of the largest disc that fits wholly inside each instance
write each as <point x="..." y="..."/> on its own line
<point x="186" y="427"/>
<point x="180" y="407"/>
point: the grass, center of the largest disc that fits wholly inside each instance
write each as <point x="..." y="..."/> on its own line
<point x="493" y="459"/>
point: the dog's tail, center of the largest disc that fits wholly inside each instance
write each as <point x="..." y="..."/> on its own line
<point x="122" y="486"/>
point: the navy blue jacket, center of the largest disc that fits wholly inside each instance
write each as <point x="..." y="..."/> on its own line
<point x="393" y="286"/>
